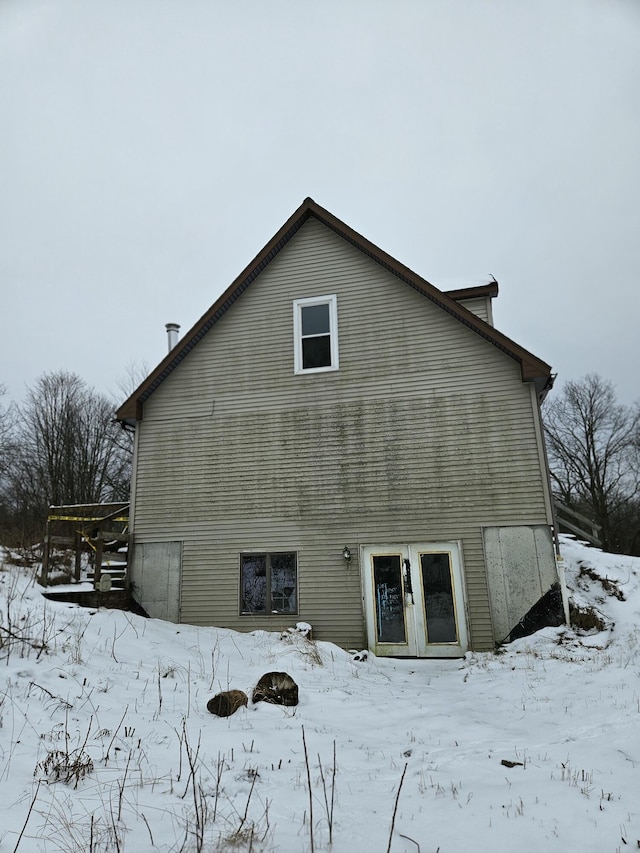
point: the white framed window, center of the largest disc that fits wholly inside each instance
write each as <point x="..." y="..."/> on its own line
<point x="315" y="334"/>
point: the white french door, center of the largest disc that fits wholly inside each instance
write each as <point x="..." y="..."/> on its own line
<point x="414" y="600"/>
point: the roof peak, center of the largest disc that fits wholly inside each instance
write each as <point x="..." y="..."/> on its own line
<point x="532" y="368"/>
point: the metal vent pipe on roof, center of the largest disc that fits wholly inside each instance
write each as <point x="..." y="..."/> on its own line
<point x="172" y="334"/>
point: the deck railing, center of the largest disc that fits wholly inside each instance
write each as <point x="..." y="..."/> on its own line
<point x="571" y="521"/>
<point x="96" y="527"/>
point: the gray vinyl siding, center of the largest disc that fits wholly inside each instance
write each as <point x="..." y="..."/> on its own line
<point x="426" y="433"/>
<point x="480" y="306"/>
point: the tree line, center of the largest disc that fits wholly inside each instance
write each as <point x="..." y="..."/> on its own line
<point x="62" y="446"/>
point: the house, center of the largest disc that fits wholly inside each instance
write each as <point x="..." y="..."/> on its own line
<point x="336" y="441"/>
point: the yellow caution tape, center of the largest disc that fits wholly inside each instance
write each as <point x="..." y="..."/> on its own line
<point x="85" y="518"/>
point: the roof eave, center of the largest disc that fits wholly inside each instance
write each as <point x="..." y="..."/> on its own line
<point x="489" y="290"/>
<point x="131" y="410"/>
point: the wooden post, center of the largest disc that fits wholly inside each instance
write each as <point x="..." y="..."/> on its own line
<point x="78" y="565"/>
<point x="45" y="556"/>
<point x="127" y="570"/>
<point x="98" y="565"/>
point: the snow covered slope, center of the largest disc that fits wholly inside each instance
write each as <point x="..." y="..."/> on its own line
<point x="106" y="743"/>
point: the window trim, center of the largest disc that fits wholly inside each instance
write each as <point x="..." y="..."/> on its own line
<point x="298" y="305"/>
<point x="268" y="596"/>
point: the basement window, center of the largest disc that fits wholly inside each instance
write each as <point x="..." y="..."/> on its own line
<point x="315" y="333"/>
<point x="268" y="583"/>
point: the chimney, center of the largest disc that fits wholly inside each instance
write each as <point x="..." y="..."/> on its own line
<point x="172" y="334"/>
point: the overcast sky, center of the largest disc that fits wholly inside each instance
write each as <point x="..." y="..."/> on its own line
<point x="149" y="149"/>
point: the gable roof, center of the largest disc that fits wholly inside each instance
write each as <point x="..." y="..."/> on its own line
<point x="532" y="368"/>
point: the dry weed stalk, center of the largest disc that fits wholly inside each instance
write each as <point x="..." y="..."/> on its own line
<point x="64" y="765"/>
<point x="328" y="805"/>
<point x="106" y="757"/>
<point x="26" y="820"/>
<point x="395" y="808"/>
<point x="306" y="761"/>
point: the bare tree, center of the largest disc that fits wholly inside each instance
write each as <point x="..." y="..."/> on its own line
<point x="592" y="441"/>
<point x="67" y="449"/>
<point x="7" y="453"/>
<point x="6" y="434"/>
<point x="135" y="372"/>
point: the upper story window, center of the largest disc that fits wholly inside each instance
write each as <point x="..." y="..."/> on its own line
<point x="315" y="332"/>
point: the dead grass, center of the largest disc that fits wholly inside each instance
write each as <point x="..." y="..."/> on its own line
<point x="610" y="586"/>
<point x="586" y="618"/>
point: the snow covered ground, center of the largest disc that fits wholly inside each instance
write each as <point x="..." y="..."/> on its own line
<point x="106" y="743"/>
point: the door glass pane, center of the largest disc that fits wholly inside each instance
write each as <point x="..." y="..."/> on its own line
<point x="438" y="598"/>
<point x="389" y="598"/>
